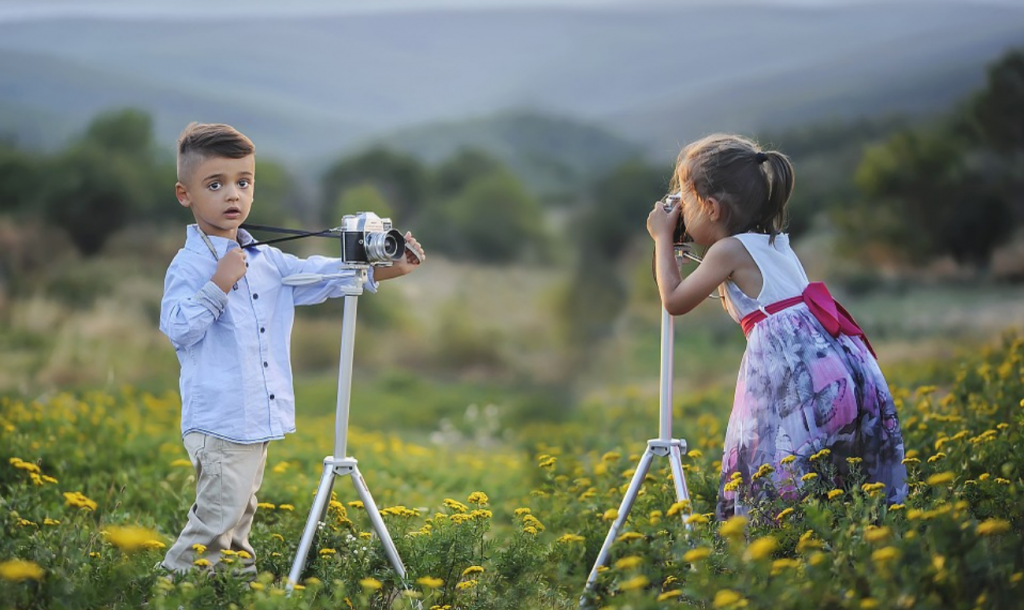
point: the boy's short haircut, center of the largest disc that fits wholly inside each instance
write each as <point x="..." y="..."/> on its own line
<point x="199" y="141"/>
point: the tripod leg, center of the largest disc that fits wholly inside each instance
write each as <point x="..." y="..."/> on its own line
<point x="679" y="478"/>
<point x="378" y="522"/>
<point x="323" y="495"/>
<point x="627" y="504"/>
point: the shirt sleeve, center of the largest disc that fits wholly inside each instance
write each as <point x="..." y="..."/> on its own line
<point x="190" y="305"/>
<point x="312" y="294"/>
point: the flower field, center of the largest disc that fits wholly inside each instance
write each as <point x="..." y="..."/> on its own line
<point x="94" y="487"/>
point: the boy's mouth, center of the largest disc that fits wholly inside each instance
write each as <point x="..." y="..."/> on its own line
<point x="232" y="212"/>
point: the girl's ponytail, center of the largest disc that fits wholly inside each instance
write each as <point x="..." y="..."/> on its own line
<point x="778" y="171"/>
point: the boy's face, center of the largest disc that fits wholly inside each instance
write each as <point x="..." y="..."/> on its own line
<point x="219" y="191"/>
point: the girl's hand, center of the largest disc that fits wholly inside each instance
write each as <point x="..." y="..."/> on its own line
<point x="661" y="224"/>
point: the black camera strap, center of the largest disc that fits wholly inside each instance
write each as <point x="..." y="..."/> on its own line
<point x="294" y="234"/>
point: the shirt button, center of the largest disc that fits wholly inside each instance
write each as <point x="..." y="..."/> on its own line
<point x="255" y="296"/>
<point x="265" y="365"/>
<point x="271" y="397"/>
<point x="262" y="329"/>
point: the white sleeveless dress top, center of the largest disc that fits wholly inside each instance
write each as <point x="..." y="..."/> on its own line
<point x="782" y="274"/>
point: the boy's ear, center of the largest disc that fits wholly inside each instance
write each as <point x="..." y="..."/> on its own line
<point x="182" y="195"/>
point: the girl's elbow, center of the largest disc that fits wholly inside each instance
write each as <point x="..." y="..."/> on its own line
<point x="675" y="308"/>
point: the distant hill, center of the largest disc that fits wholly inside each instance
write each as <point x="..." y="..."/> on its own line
<point x="551" y="154"/>
<point x="311" y="86"/>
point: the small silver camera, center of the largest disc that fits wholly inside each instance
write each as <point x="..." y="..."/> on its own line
<point x="369" y="239"/>
<point x="671" y="200"/>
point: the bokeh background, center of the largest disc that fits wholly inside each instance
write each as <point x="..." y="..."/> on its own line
<point x="523" y="143"/>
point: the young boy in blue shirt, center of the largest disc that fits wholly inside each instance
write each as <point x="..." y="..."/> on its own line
<point x="229" y="317"/>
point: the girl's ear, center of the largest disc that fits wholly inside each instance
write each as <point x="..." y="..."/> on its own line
<point x="713" y="208"/>
<point x="182" y="195"/>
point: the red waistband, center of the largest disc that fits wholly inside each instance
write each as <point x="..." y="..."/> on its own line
<point x="819" y="301"/>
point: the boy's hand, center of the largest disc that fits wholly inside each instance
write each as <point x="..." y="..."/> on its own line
<point x="230" y="269"/>
<point x="414" y="257"/>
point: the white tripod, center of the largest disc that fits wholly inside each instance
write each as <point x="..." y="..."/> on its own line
<point x="663" y="446"/>
<point x="338" y="464"/>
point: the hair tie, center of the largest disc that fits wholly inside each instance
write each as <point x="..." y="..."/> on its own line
<point x="760" y="157"/>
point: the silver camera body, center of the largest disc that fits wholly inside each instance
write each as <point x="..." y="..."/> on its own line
<point x="371" y="240"/>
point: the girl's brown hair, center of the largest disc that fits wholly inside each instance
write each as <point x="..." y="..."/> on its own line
<point x="752" y="185"/>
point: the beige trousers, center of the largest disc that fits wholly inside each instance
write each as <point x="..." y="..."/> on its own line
<point x="228" y="475"/>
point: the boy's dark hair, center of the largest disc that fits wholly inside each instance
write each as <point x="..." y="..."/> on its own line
<point x="752" y="185"/>
<point x="200" y="141"/>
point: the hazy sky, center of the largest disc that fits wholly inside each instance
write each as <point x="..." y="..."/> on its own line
<point x="35" y="9"/>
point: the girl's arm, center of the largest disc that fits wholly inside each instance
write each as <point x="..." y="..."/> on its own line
<point x="679" y="295"/>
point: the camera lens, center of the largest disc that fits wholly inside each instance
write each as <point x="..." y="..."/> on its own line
<point x="384" y="247"/>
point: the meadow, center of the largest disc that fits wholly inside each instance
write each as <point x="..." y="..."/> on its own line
<point x="495" y="502"/>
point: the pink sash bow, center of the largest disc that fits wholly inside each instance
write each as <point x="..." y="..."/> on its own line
<point x="819" y="301"/>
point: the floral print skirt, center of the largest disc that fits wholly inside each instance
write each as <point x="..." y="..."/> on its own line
<point x="800" y="391"/>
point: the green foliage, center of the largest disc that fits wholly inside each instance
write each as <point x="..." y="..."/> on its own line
<point x="19" y="180"/>
<point x="492" y="220"/>
<point x="995" y="112"/>
<point x="91" y="194"/>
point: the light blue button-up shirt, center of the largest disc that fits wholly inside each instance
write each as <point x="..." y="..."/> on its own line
<point x="235" y="348"/>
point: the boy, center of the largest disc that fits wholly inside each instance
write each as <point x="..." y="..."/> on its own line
<point x="229" y="318"/>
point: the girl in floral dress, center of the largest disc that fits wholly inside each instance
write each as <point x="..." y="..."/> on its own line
<point x="808" y="380"/>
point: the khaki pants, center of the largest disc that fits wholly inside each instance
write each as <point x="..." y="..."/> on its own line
<point x="228" y="475"/>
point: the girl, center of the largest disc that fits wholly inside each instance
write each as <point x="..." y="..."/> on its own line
<point x="808" y="380"/>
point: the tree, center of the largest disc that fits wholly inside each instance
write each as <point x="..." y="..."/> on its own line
<point x="91" y="194"/>
<point x="493" y="220"/>
<point x="19" y="179"/>
<point x="925" y="196"/>
<point x="400" y="178"/>
<point x="995" y="112"/>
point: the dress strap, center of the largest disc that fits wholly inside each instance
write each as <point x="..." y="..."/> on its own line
<point x="819" y="301"/>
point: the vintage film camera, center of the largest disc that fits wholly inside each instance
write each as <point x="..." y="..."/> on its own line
<point x="679" y="235"/>
<point x="369" y="239"/>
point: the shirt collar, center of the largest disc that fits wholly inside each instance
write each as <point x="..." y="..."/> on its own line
<point x="194" y="241"/>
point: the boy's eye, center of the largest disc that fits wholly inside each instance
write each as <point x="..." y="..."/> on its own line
<point x="214" y="186"/>
<point x="244" y="183"/>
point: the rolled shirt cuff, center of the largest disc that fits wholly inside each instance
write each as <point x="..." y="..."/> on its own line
<point x="212" y="298"/>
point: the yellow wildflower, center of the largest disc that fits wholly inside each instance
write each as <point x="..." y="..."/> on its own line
<point x="835" y="493"/>
<point x="733" y="528"/>
<point x="992" y="527"/>
<point x="430" y="582"/>
<point x="628" y="536"/>
<point x="628" y="563"/>
<point x="637" y="582"/>
<point x="697" y="554"/>
<point x="18" y="569"/>
<point x="760" y="548"/>
<point x="667" y="595"/>
<point x="286" y="507"/>
<point x="466" y="584"/>
<point x="877" y="534"/>
<point x="941" y="478"/>
<point x="780" y="565"/>
<point x="885" y="554"/>
<point x="477" y="497"/>
<point x="371" y="584"/>
<point x="129" y="538"/>
<point x="569" y="538"/>
<point x="810" y="476"/>
<point x="727" y="598"/>
<point x="783" y="514"/>
<point x="472" y="570"/>
<point x="610" y="514"/>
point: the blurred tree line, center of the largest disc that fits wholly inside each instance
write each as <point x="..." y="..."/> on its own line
<point x="949" y="186"/>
